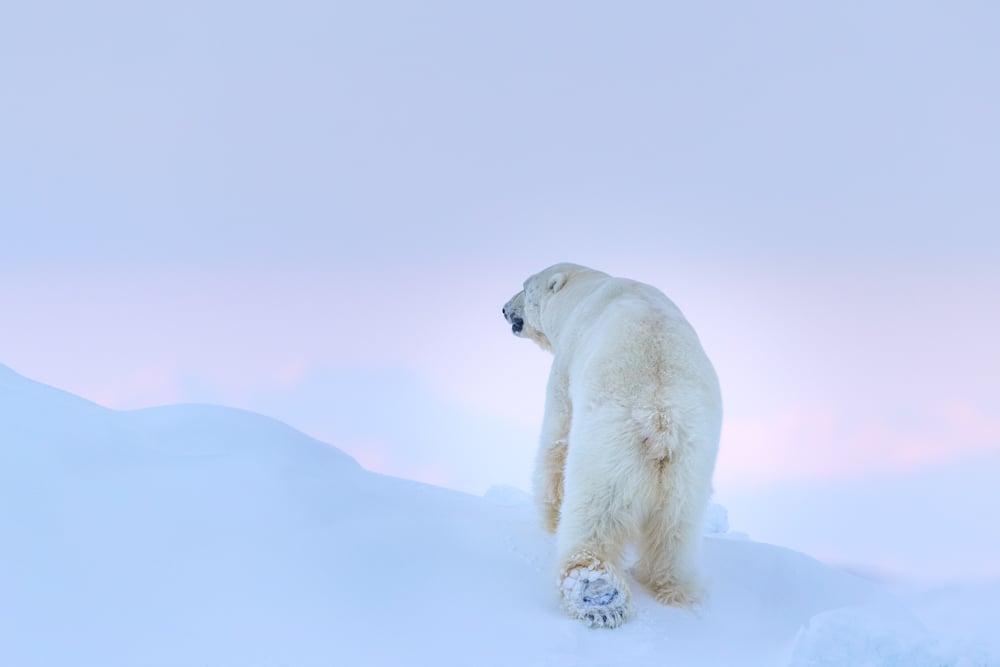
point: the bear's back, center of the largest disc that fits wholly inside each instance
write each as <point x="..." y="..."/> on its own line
<point x="632" y="336"/>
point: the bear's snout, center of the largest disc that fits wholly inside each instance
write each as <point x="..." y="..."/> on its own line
<point x="516" y="322"/>
<point x="512" y="313"/>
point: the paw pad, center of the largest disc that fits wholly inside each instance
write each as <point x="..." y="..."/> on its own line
<point x="598" y="592"/>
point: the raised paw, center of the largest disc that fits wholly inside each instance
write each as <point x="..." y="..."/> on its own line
<point x="595" y="594"/>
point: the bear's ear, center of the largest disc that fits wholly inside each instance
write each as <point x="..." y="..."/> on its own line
<point x="556" y="282"/>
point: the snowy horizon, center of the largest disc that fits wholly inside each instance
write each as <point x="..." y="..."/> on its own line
<point x="185" y="535"/>
<point x="863" y="523"/>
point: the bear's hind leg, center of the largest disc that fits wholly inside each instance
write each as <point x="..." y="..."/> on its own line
<point x="591" y="537"/>
<point x="668" y="556"/>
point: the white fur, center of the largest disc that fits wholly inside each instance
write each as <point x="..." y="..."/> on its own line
<point x="630" y="434"/>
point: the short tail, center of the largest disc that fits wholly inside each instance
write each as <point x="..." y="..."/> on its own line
<point x="657" y="433"/>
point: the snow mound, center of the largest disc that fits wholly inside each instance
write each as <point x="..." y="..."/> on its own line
<point x="199" y="535"/>
<point x="507" y="495"/>
<point x="872" y="637"/>
<point x="716" y="520"/>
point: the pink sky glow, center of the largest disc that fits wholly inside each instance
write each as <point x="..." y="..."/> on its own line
<point x="817" y="385"/>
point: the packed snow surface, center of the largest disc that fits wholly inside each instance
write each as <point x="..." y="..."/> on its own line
<point x="198" y="535"/>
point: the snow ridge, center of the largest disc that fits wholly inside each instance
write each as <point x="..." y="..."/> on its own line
<point x="194" y="535"/>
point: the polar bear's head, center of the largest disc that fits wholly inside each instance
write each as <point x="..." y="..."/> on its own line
<point x="526" y="311"/>
<point x="515" y="314"/>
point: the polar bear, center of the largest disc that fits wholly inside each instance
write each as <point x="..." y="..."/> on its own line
<point x="629" y="438"/>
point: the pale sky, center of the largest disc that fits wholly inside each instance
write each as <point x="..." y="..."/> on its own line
<point x="316" y="210"/>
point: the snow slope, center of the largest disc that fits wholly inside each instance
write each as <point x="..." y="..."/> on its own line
<point x="198" y="535"/>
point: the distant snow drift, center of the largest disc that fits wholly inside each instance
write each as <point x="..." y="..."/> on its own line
<point x="197" y="535"/>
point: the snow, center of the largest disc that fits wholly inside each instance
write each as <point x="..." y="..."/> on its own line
<point x="868" y="636"/>
<point x="200" y="535"/>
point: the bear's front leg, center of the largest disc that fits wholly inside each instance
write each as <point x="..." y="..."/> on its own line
<point x="549" y="482"/>
<point x="551" y="460"/>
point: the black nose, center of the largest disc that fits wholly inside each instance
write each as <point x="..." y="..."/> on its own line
<point x="505" y="311"/>
<point x="518" y="324"/>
